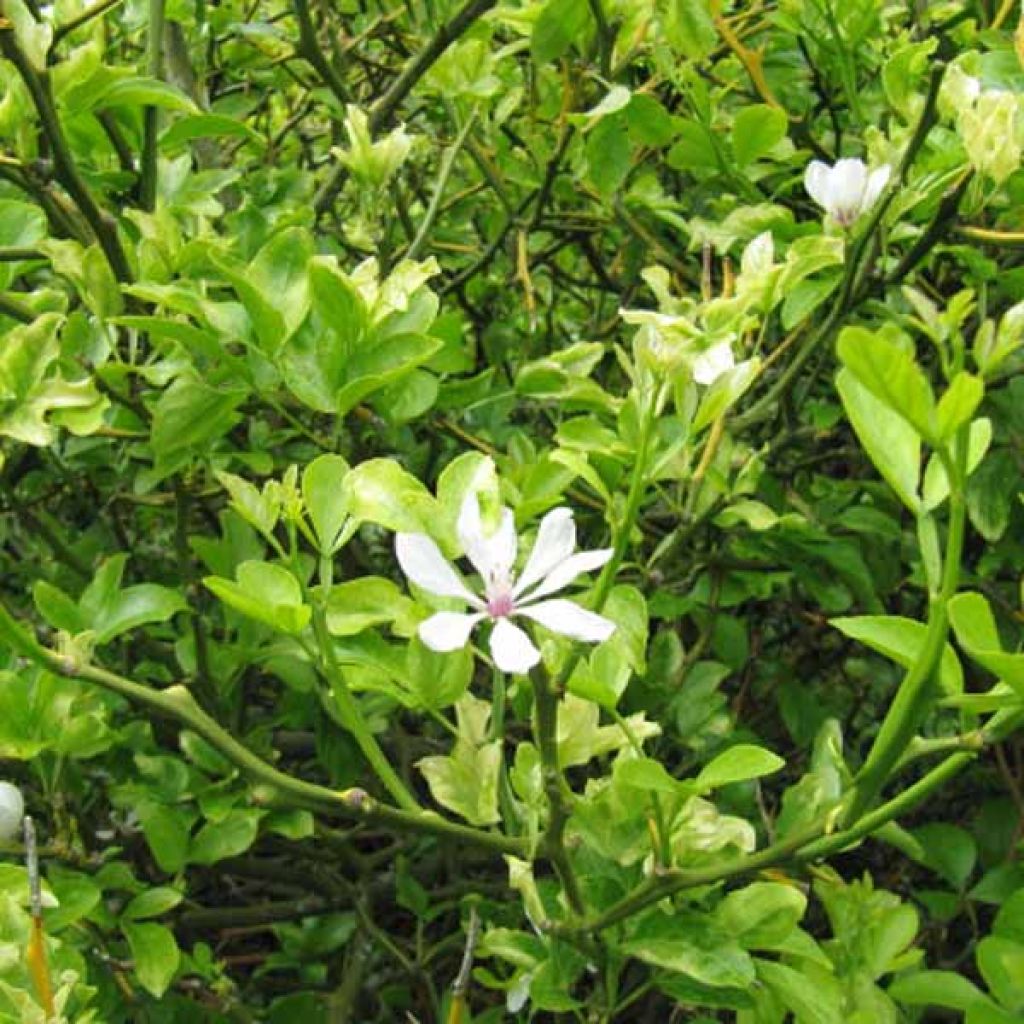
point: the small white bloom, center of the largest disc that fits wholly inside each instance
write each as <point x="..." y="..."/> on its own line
<point x="12" y="812"/>
<point x="552" y="566"/>
<point x="710" y="364"/>
<point x="847" y="189"/>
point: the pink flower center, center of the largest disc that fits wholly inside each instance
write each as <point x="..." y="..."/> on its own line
<point x="500" y="605"/>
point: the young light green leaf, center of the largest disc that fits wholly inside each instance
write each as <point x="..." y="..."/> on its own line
<point x="266" y="592"/>
<point x="737" y="764"/>
<point x="322" y="483"/>
<point x="957" y="405"/>
<point x="381" y="491"/>
<point x="155" y="955"/>
<point x="890" y="372"/>
<point x="890" y="442"/>
<point x="756" y="131"/>
<point x="975" y="628"/>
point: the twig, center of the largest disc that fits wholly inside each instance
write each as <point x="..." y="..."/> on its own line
<point x="443" y="174"/>
<point x="38" y="84"/>
<point x="381" y="112"/>
<point x="177" y="703"/>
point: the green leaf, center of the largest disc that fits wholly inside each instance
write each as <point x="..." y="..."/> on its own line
<point x="609" y="155"/>
<point x="266" y="592"/>
<point x="368" y="601"/>
<point x="155" y="955"/>
<point x="205" y="126"/>
<point x="948" y="850"/>
<point x="380" y="491"/>
<point x="646" y="774"/>
<point x="689" y="28"/>
<point x="467" y="781"/>
<point x="737" y="764"/>
<point x="136" y="606"/>
<point x="890" y="442"/>
<point x="814" y="1000"/>
<point x="274" y="287"/>
<point x="901" y="639"/>
<point x="725" y="392"/>
<point x="936" y="483"/>
<point x="761" y="915"/>
<point x="1000" y="962"/>
<point x="322" y="483"/>
<point x="757" y="130"/>
<point x="190" y="414"/>
<point x="33" y="36"/>
<point x="144" y="92"/>
<point x="958" y="404"/>
<point x="260" y="509"/>
<point x="59" y="610"/>
<point x="230" y="837"/>
<point x="167" y="834"/>
<point x="991" y="494"/>
<point x="35" y="399"/>
<point x="151" y="903"/>
<point x="439" y="680"/>
<point x="691" y="944"/>
<point x="975" y="628"/>
<point x="937" y="988"/>
<point x="890" y="372"/>
<point x="561" y="23"/>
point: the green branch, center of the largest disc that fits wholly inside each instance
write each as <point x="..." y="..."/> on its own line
<point x="382" y="111"/>
<point x="351" y="716"/>
<point x="104" y="226"/>
<point x="151" y="115"/>
<point x="914" y="696"/>
<point x="309" y="47"/>
<point x="177" y="703"/>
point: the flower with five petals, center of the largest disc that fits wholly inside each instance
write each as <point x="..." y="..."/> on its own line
<point x="553" y="564"/>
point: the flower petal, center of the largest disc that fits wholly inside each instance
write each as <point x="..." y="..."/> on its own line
<point x="569" y="619"/>
<point x="556" y="541"/>
<point x="817" y="182"/>
<point x="847" y="183"/>
<point x="421" y="560"/>
<point x="713" y="362"/>
<point x="448" y="631"/>
<point x="877" y="180"/>
<point x="492" y="555"/>
<point x="513" y="650"/>
<point x="565" y="572"/>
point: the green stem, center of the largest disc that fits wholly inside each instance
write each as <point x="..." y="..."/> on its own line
<point x="79" y="20"/>
<point x="151" y="115"/>
<point x="914" y="695"/>
<point x="1000" y="726"/>
<point x="855" y="268"/>
<point x="177" y="703"/>
<point x="351" y="716"/>
<point x="657" y="887"/>
<point x="37" y="83"/>
<point x="383" y="109"/>
<point x="443" y="174"/>
<point x="547" y="692"/>
<point x="553" y="842"/>
<point x="309" y="47"/>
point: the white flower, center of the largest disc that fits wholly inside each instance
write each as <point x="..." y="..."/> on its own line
<point x="710" y="364"/>
<point x="12" y="812"/>
<point x="552" y="565"/>
<point x="846" y="190"/>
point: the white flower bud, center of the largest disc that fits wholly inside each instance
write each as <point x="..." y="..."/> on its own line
<point x="12" y="811"/>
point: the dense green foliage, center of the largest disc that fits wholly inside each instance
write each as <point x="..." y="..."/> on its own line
<point x="303" y="304"/>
